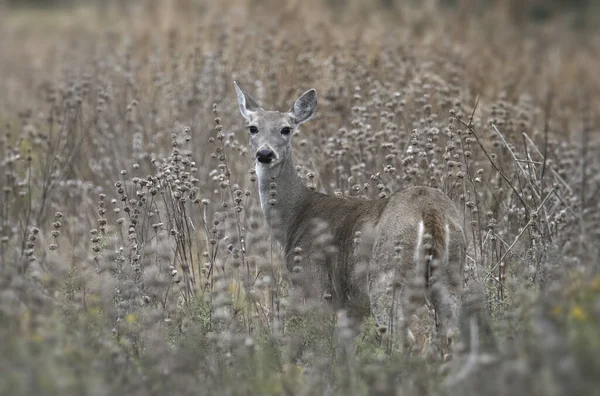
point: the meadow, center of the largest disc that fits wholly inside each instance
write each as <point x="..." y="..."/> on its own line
<point x="134" y="256"/>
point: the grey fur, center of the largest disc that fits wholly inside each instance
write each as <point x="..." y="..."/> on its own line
<point x="384" y="226"/>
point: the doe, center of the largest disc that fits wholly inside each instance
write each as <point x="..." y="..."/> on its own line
<point x="412" y="226"/>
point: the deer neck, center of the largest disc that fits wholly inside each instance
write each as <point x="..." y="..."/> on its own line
<point x="290" y="193"/>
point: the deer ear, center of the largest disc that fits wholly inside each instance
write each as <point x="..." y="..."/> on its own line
<point x="247" y="104"/>
<point x="305" y="106"/>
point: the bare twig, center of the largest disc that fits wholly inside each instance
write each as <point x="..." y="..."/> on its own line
<point x="554" y="172"/>
<point x="529" y="223"/>
<point x="585" y="139"/>
<point x="495" y="166"/>
<point x="534" y="188"/>
<point x="547" y="110"/>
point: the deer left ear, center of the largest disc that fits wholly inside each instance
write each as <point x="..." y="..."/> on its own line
<point x="305" y="107"/>
<point x="247" y="104"/>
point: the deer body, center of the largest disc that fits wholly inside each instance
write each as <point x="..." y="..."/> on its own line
<point x="392" y="231"/>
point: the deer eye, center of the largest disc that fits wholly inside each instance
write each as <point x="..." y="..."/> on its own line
<point x="253" y="129"/>
<point x="286" y="131"/>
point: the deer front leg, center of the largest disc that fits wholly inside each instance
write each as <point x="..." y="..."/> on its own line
<point x="310" y="279"/>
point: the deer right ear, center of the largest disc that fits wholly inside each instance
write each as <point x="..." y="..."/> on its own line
<point x="305" y="106"/>
<point x="247" y="104"/>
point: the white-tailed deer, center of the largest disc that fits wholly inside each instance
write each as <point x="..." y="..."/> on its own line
<point x="412" y="226"/>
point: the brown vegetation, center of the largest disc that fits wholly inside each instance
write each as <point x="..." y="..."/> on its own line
<point x="134" y="258"/>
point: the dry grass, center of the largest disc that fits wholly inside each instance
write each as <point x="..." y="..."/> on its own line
<point x="134" y="258"/>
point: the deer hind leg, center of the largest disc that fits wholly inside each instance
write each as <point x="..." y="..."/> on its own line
<point x="446" y="303"/>
<point x="445" y="290"/>
<point x="388" y="301"/>
<point x="386" y="305"/>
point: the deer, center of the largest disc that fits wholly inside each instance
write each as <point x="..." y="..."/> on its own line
<point x="414" y="232"/>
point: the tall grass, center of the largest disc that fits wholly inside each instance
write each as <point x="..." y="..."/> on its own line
<point x="134" y="258"/>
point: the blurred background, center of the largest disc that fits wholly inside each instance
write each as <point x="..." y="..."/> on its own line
<point x="582" y="12"/>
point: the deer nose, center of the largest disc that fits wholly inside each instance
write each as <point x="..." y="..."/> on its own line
<point x="265" y="155"/>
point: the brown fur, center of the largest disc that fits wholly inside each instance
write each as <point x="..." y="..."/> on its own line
<point x="390" y="229"/>
<point x="344" y="217"/>
<point x="394" y="221"/>
<point x="435" y="225"/>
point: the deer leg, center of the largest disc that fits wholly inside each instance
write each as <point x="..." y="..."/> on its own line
<point x="446" y="290"/>
<point x="446" y="303"/>
<point x="387" y="307"/>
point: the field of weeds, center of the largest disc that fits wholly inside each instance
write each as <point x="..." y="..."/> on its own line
<point x="134" y="256"/>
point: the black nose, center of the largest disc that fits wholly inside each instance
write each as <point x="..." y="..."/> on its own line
<point x="265" y="156"/>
